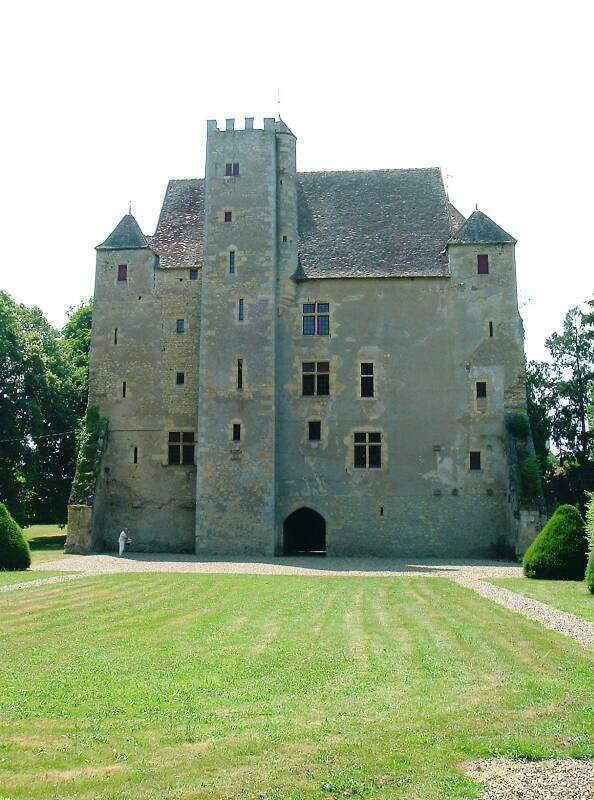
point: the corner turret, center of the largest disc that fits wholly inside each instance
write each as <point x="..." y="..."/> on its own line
<point x="127" y="235"/>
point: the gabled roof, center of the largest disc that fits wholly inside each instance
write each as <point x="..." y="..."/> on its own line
<point x="376" y="223"/>
<point x="179" y="236"/>
<point x="456" y="218"/>
<point x="125" y="236"/>
<point x="480" y="229"/>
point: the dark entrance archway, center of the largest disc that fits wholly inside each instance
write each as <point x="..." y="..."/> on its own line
<point x="304" y="532"/>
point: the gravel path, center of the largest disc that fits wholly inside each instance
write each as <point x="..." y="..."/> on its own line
<point x="104" y="563"/>
<point x="569" y="624"/>
<point x="534" y="780"/>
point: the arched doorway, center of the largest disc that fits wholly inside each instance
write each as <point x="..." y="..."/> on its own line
<point x="304" y="531"/>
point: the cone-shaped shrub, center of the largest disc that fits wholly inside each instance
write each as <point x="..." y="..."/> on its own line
<point x="590" y="533"/>
<point x="14" y="549"/>
<point x="559" y="550"/>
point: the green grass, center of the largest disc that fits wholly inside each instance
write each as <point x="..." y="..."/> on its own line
<point x="571" y="596"/>
<point x="179" y="687"/>
<point x="46" y="543"/>
<point x="21" y="576"/>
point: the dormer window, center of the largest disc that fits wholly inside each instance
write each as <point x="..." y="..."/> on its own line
<point x="482" y="264"/>
<point x="122" y="273"/>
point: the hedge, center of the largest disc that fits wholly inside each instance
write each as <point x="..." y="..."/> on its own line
<point x="14" y="548"/>
<point x="559" y="550"/>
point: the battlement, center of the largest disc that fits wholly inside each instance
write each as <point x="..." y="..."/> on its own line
<point x="212" y="125"/>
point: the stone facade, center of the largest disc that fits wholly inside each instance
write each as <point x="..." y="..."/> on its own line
<point x="238" y="258"/>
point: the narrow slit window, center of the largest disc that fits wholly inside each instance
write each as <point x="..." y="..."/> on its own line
<point x="367" y="379"/>
<point x="240" y="310"/>
<point x="122" y="273"/>
<point x="228" y="216"/>
<point x="314" y="430"/>
<point x="482" y="263"/>
<point x="180" y="326"/>
<point x="115" y="336"/>
<point x="180" y="378"/>
<point x="475" y="459"/>
<point x="123" y="388"/>
<point x="240" y="373"/>
<point x="236" y="432"/>
<point x="136" y="455"/>
<point x="232" y="262"/>
<point x="490" y="329"/>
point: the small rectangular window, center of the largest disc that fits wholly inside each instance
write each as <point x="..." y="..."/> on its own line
<point x="193" y="274"/>
<point x="124" y="389"/>
<point x="180" y="378"/>
<point x="136" y="455"/>
<point x="367" y="379"/>
<point x="315" y="430"/>
<point x="115" y="336"/>
<point x="240" y="373"/>
<point x="367" y="450"/>
<point x="228" y="169"/>
<point x="228" y="216"/>
<point x="475" y="459"/>
<point x="315" y="378"/>
<point x="481" y="390"/>
<point x="236" y="432"/>
<point x="482" y="265"/>
<point x="236" y="168"/>
<point x="284" y="237"/>
<point x="490" y="329"/>
<point x="122" y="273"/>
<point x="180" y="326"/>
<point x="240" y="310"/>
<point x="232" y="262"/>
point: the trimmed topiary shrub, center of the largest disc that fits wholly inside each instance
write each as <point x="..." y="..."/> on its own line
<point x="559" y="550"/>
<point x="14" y="549"/>
<point x="590" y="537"/>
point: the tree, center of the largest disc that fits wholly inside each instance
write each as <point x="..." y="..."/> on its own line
<point x="43" y="380"/>
<point x="559" y="550"/>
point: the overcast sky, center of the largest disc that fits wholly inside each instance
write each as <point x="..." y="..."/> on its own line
<point x="103" y="102"/>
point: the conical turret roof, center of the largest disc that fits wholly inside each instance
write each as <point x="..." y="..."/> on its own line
<point x="480" y="229"/>
<point x="125" y="236"/>
<point x="282" y="127"/>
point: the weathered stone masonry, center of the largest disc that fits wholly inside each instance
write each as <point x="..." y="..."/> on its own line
<point x="222" y="286"/>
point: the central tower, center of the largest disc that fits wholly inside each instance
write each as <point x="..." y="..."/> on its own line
<point x="235" y="507"/>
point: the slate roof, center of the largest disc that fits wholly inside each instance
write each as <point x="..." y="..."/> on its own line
<point x="125" y="236"/>
<point x="379" y="223"/>
<point x="480" y="229"/>
<point x="180" y="230"/>
<point x="363" y="224"/>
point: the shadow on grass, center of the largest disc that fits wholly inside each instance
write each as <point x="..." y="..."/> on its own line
<point x="47" y="542"/>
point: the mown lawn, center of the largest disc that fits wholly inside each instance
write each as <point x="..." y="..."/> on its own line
<point x="46" y="543"/>
<point x="19" y="576"/>
<point x="571" y="596"/>
<point x="140" y="687"/>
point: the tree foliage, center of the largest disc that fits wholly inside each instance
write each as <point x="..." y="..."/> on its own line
<point x="43" y="389"/>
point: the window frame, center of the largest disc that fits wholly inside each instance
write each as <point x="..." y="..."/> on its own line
<point x="122" y="270"/>
<point x="193" y="274"/>
<point x="367" y="449"/>
<point x="311" y="423"/>
<point x="184" y="444"/>
<point x="475" y="461"/>
<point x="241" y="309"/>
<point x="180" y="325"/>
<point x="228" y="216"/>
<point x="236" y="432"/>
<point x="231" y="262"/>
<point x="315" y="318"/>
<point x="482" y="264"/>
<point x="179" y="382"/>
<point x="315" y="376"/>
<point x="367" y="379"/>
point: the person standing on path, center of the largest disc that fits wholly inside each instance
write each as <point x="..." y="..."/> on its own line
<point x="122" y="541"/>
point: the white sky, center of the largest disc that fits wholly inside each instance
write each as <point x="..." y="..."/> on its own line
<point x="103" y="102"/>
